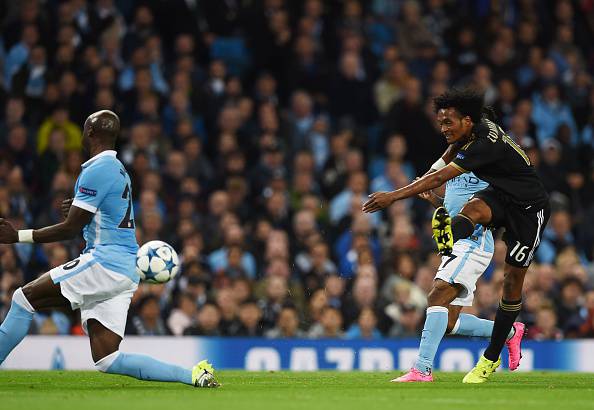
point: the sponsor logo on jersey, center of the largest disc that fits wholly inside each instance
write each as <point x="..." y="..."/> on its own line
<point x="464" y="180"/>
<point x="87" y="191"/>
<point x="460" y="156"/>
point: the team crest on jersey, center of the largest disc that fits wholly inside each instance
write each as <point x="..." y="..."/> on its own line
<point x="87" y="191"/>
<point x="460" y="156"/>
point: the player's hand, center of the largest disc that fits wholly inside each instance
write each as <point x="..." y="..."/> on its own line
<point x="7" y="232"/>
<point x="66" y="207"/>
<point x="426" y="196"/>
<point x="377" y="201"/>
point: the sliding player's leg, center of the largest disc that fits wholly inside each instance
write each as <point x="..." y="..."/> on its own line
<point x="107" y="357"/>
<point x="105" y="322"/>
<point x="41" y="293"/>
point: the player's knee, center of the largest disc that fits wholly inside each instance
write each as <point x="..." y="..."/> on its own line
<point x="21" y="299"/>
<point x="437" y="297"/>
<point x="451" y="322"/>
<point x="27" y="292"/>
<point x="441" y="294"/>
<point x="477" y="211"/>
<point x="104" y="363"/>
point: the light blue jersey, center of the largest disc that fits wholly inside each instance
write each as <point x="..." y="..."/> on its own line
<point x="103" y="188"/>
<point x="458" y="192"/>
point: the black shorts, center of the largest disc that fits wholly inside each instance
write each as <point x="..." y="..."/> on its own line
<point x="523" y="225"/>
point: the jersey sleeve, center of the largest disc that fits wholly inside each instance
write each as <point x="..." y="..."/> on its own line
<point x="94" y="184"/>
<point x="476" y="154"/>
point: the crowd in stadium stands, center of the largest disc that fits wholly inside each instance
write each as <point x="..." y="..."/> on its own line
<point x="253" y="131"/>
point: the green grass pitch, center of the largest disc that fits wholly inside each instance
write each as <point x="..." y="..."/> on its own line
<point x="288" y="390"/>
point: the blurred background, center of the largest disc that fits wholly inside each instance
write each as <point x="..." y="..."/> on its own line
<point x="253" y="131"/>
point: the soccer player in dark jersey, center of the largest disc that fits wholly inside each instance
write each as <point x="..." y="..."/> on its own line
<point x="515" y="199"/>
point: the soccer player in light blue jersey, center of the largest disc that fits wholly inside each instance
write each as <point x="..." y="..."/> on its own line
<point x="102" y="280"/>
<point x="455" y="283"/>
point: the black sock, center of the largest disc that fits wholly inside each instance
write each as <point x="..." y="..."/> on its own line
<point x="504" y="320"/>
<point x="462" y="227"/>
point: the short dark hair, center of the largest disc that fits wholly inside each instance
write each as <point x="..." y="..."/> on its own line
<point x="466" y="101"/>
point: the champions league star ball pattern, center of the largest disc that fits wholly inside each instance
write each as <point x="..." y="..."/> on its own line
<point x="156" y="262"/>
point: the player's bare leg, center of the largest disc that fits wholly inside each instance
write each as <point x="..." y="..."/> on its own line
<point x="43" y="293"/>
<point x="103" y="341"/>
<point x="40" y="294"/>
<point x="105" y="346"/>
<point x="453" y="318"/>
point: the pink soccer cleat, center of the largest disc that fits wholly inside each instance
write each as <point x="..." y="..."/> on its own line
<point x="514" y="346"/>
<point x="413" y="375"/>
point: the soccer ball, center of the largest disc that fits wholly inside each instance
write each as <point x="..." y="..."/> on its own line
<point x="156" y="262"/>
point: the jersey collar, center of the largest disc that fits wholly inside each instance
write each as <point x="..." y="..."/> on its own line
<point x="106" y="153"/>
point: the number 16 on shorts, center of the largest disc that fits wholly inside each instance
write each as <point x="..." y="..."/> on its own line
<point x="518" y="252"/>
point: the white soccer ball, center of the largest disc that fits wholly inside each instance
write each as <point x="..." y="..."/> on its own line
<point x="156" y="262"/>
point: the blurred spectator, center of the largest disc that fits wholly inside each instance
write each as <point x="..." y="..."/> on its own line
<point x="389" y="88"/>
<point x="365" y="328"/>
<point x="229" y="323"/>
<point x="218" y="259"/>
<point x="550" y="112"/>
<point x="249" y="318"/>
<point x="59" y="120"/>
<point x="314" y="266"/>
<point x="364" y="296"/>
<point x="287" y="325"/>
<point x="147" y="321"/>
<point x="207" y="322"/>
<point x="330" y="325"/>
<point x="569" y="304"/>
<point x="410" y="323"/>
<point x="272" y="302"/>
<point x="587" y="328"/>
<point x="182" y="317"/>
<point x="545" y="327"/>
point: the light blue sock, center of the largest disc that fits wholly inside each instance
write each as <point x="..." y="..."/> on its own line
<point x="143" y="368"/>
<point x="433" y="331"/>
<point x="470" y="325"/>
<point x="16" y="324"/>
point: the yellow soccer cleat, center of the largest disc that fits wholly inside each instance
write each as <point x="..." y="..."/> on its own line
<point x="481" y="372"/>
<point x="203" y="375"/>
<point x="441" y="225"/>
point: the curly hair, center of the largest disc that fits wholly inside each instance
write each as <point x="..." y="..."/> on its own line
<point x="466" y="101"/>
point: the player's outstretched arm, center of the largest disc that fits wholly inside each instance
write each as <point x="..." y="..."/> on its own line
<point x="76" y="220"/>
<point x="380" y="200"/>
